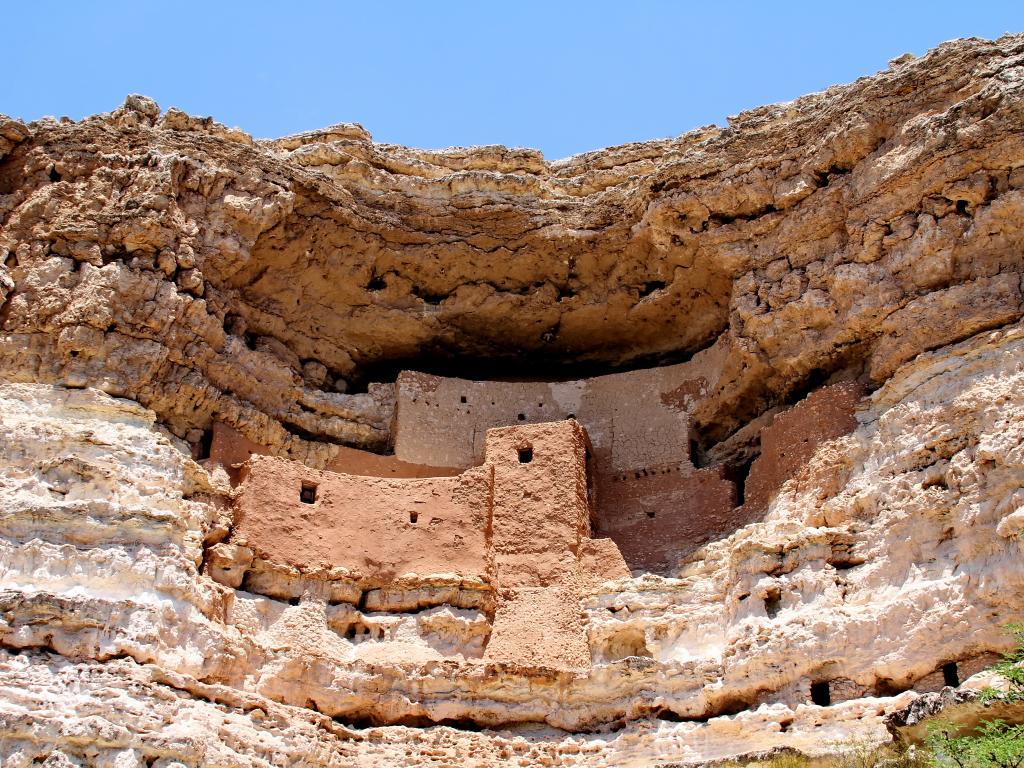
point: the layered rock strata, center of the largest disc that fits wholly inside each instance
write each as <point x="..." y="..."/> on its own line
<point x="188" y="315"/>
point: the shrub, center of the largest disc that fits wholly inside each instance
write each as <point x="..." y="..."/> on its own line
<point x="994" y="743"/>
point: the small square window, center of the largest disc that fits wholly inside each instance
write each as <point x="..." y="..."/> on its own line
<point x="525" y="455"/>
<point x="307" y="493"/>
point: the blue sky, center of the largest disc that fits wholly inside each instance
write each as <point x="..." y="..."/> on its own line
<point x="564" y="77"/>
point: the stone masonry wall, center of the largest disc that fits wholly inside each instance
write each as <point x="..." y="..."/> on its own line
<point x="794" y="435"/>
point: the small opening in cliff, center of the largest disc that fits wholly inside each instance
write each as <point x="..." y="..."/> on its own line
<point x="11" y="261"/>
<point x="54" y="175"/>
<point x="651" y="286"/>
<point x="525" y="455"/>
<point x="201" y="450"/>
<point x="307" y="493"/>
<point x="737" y="474"/>
<point x="414" y="516"/>
<point x="951" y="675"/>
<point x="772" y="602"/>
<point x="694" y="451"/>
<point x="820" y="694"/>
<point x="664" y="713"/>
<point x="376" y="284"/>
<point x="627" y="642"/>
<point x="462" y="399"/>
<point x="885" y="686"/>
<point x="521" y="417"/>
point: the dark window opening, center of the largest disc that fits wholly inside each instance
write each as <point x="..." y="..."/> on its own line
<point x="462" y="399"/>
<point x="376" y="284"/>
<point x="307" y="494"/>
<point x="571" y="416"/>
<point x="951" y="675"/>
<point x="11" y="261"/>
<point x="650" y="512"/>
<point x="820" y="694"/>
<point x="961" y="207"/>
<point x="664" y="713"/>
<point x="525" y="455"/>
<point x="54" y="175"/>
<point x="414" y="516"/>
<point x="522" y="417"/>
<point x="772" y="603"/>
<point x="651" y="286"/>
<point x="737" y="474"/>
<point x="205" y="444"/>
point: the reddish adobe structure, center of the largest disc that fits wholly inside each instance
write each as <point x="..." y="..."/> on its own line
<point x="230" y="448"/>
<point x="794" y="435"/>
<point x="519" y="523"/>
<point x="646" y="492"/>
<point x="665" y="513"/>
<point x="643" y="490"/>
<point x="377" y="528"/>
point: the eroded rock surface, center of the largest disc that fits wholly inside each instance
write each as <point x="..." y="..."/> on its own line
<point x="843" y="271"/>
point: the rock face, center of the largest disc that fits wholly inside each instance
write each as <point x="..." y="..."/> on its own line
<point x="704" y="447"/>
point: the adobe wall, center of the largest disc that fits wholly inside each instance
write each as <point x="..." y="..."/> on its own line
<point x="380" y="528"/>
<point x="230" y="448"/>
<point x="541" y="544"/>
<point x="788" y="443"/>
<point x="662" y="514"/>
<point x="634" y="419"/>
<point x="935" y="681"/>
<point x="638" y="425"/>
<point x="541" y="514"/>
<point x="520" y="522"/>
<point x="353" y="461"/>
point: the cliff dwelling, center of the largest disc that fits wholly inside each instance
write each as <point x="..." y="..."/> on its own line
<point x="517" y="491"/>
<point x="324" y="451"/>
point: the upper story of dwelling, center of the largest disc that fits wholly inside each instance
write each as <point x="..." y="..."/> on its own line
<point x="636" y="420"/>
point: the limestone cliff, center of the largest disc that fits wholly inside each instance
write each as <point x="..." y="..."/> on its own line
<point x="829" y="289"/>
